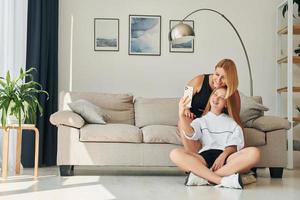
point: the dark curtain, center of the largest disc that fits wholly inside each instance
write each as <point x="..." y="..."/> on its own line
<point x="42" y="53"/>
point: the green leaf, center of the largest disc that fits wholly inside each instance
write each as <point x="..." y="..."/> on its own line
<point x="3" y="117"/>
<point x="20" y="98"/>
<point x="2" y="83"/>
<point x="4" y="109"/>
<point x="8" y="77"/>
<point x="31" y="69"/>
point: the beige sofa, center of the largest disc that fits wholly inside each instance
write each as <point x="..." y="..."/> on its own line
<point x="142" y="132"/>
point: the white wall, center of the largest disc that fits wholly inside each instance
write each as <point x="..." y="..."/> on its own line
<point x="166" y="75"/>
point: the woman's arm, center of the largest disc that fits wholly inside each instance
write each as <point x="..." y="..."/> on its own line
<point x="196" y="83"/>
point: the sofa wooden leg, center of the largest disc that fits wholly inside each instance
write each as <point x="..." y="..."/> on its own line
<point x="276" y="172"/>
<point x="66" y="170"/>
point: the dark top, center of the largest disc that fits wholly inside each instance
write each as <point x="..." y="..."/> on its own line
<point x="200" y="99"/>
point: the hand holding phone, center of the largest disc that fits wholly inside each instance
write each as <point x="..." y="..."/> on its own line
<point x="188" y="91"/>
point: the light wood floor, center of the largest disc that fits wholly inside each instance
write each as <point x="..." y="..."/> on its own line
<point x="88" y="184"/>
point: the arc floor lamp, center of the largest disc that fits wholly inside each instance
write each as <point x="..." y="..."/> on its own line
<point x="182" y="33"/>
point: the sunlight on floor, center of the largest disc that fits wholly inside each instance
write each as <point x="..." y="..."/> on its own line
<point x="80" y="192"/>
<point x="53" y="187"/>
<point x="8" y="187"/>
<point x="79" y="180"/>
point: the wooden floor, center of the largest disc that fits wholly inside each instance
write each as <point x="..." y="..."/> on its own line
<point x="89" y="184"/>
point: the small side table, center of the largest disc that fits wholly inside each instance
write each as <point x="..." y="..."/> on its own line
<point x="19" y="143"/>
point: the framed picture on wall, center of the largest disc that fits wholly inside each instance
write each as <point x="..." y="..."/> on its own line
<point x="106" y="34"/>
<point x="144" y="35"/>
<point x="187" y="47"/>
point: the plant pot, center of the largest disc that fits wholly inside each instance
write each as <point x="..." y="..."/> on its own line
<point x="296" y="17"/>
<point x="11" y="119"/>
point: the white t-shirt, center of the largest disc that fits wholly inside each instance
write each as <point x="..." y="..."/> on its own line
<point x="217" y="132"/>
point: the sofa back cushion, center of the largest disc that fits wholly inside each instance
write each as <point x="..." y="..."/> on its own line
<point x="156" y="111"/>
<point x="118" y="106"/>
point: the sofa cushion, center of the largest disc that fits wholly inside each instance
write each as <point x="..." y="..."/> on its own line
<point x="157" y="111"/>
<point x="254" y="137"/>
<point x="160" y="134"/>
<point x="110" y="133"/>
<point x="118" y="106"/>
<point x="251" y="108"/>
<point x="67" y="118"/>
<point x="91" y="113"/>
<point x="271" y="123"/>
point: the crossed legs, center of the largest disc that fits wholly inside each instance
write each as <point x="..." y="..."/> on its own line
<point x="240" y="162"/>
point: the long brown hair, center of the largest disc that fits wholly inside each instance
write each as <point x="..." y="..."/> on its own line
<point x="231" y="80"/>
<point x="231" y="108"/>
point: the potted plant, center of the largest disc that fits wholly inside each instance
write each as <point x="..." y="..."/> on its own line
<point x="296" y="13"/>
<point x="18" y="98"/>
<point x="298" y="108"/>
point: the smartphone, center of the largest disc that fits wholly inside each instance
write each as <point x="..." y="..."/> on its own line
<point x="188" y="91"/>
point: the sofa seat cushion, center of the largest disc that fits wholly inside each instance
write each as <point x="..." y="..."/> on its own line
<point x="110" y="133"/>
<point x="254" y="137"/>
<point x="160" y="134"/>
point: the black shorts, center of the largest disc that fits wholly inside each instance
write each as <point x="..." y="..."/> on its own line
<point x="210" y="156"/>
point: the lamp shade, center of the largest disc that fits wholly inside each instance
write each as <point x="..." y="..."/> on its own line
<point x="181" y="33"/>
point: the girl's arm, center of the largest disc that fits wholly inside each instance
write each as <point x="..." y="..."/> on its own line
<point x="234" y="143"/>
<point x="229" y="150"/>
<point x="236" y="139"/>
<point x="220" y="161"/>
<point x="190" y="130"/>
<point x="184" y="122"/>
<point x="186" y="127"/>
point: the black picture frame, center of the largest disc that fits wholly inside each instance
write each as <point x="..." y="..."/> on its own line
<point x="102" y="28"/>
<point x="147" y="46"/>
